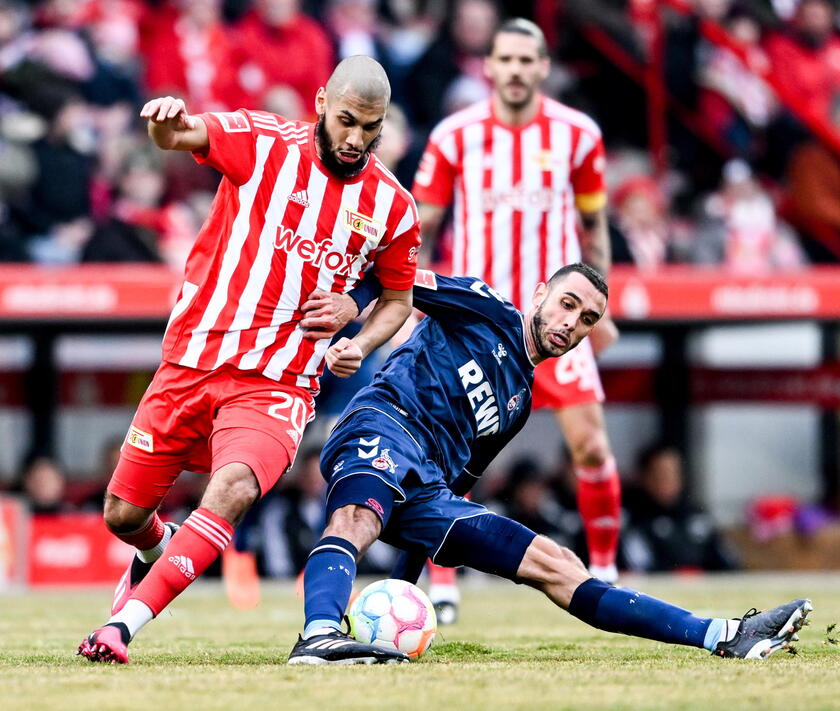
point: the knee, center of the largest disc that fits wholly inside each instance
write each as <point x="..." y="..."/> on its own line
<point x="123" y="517"/>
<point x="591" y="449"/>
<point x="356" y="524"/>
<point x="548" y="564"/>
<point x="235" y="485"/>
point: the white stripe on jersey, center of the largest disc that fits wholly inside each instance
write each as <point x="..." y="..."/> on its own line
<point x="261" y="267"/>
<point x="449" y="149"/>
<point x="561" y="137"/>
<point x="473" y="188"/>
<point x="289" y="299"/>
<point x="502" y="255"/>
<point x="585" y="144"/>
<point x="188" y="291"/>
<point x="382" y="202"/>
<point x="532" y="218"/>
<point x="239" y="233"/>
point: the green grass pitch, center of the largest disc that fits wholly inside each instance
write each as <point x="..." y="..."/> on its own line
<point x="511" y="650"/>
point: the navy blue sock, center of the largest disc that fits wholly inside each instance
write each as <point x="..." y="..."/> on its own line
<point x="328" y="582"/>
<point x="633" y="613"/>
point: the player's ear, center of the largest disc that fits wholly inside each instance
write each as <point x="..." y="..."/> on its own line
<point x="540" y="293"/>
<point x="321" y="101"/>
<point x="488" y="74"/>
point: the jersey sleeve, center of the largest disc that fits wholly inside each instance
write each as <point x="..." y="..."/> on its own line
<point x="232" y="145"/>
<point x="365" y="290"/>
<point x="435" y="178"/>
<point x="459" y="300"/>
<point x="587" y="176"/>
<point x="396" y="260"/>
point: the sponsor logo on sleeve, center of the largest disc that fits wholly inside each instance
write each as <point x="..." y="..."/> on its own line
<point x="139" y="439"/>
<point x="376" y="506"/>
<point x="425" y="278"/>
<point x="232" y="122"/>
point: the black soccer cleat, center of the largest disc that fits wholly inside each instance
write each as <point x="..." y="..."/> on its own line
<point x="340" y="648"/>
<point x="762" y="633"/>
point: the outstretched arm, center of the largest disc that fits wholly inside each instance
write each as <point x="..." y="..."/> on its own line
<point x="172" y="128"/>
<point x="392" y="309"/>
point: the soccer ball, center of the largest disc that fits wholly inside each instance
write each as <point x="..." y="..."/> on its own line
<point x="394" y="614"/>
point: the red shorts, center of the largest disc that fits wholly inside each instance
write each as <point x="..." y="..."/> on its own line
<point x="569" y="380"/>
<point x="200" y="421"/>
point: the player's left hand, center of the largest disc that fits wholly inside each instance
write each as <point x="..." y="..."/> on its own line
<point x="325" y="313"/>
<point x="344" y="358"/>
<point x="604" y="334"/>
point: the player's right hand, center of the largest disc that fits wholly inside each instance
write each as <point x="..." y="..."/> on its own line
<point x="169" y="111"/>
<point x="344" y="358"/>
<point x="326" y="313"/>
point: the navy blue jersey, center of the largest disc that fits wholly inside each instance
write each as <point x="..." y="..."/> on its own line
<point x="461" y="384"/>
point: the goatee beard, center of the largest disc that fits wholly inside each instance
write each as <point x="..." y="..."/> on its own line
<point x="536" y="328"/>
<point x="341" y="170"/>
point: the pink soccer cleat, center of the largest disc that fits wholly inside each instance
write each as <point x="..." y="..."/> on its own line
<point x="104" y="645"/>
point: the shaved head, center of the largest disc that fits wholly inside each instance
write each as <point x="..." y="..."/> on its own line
<point x="362" y="77"/>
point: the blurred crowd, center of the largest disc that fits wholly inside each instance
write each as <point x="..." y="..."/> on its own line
<point x="750" y="188"/>
<point x="661" y="530"/>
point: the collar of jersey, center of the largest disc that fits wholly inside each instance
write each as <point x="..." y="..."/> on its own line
<point x="313" y="152"/>
<point x="524" y="341"/>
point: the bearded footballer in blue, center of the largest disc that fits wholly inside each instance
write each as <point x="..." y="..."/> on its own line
<point x="410" y="445"/>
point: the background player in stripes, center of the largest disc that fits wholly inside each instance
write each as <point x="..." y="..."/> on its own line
<point x="301" y="208"/>
<point x="521" y="171"/>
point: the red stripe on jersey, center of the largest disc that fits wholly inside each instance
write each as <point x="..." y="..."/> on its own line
<point x="516" y="227"/>
<point x="326" y="225"/>
<point x="459" y="251"/>
<point x="487" y="189"/>
<point x="545" y="144"/>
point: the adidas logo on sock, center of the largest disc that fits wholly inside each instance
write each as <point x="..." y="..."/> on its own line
<point x="184" y="564"/>
<point x="301" y="197"/>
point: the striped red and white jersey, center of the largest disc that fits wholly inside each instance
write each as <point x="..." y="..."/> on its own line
<point x="280" y="226"/>
<point x="514" y="190"/>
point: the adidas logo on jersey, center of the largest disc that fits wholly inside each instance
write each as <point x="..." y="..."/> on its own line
<point x="184" y="564"/>
<point x="301" y="197"/>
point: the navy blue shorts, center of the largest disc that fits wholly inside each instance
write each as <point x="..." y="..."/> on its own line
<point x="371" y="460"/>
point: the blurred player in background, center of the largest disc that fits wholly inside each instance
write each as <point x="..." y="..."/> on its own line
<point x="521" y="172"/>
<point x="301" y="209"/>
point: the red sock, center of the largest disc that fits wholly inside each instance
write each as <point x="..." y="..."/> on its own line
<point x="438" y="575"/>
<point x="199" y="541"/>
<point x="147" y="537"/>
<point x="599" y="503"/>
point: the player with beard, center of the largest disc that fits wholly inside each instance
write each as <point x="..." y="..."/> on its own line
<point x="413" y="442"/>
<point x="302" y="209"/>
<point x="524" y="174"/>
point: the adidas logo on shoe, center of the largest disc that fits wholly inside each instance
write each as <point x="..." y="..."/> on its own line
<point x="301" y="197"/>
<point x="184" y="564"/>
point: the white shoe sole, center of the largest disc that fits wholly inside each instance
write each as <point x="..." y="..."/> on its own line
<point x="784" y="636"/>
<point x="319" y="661"/>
